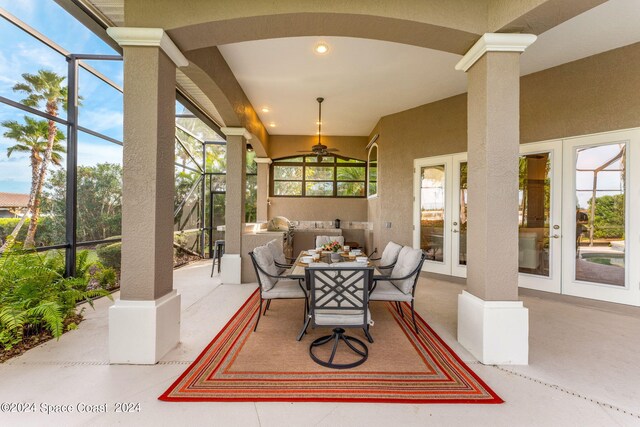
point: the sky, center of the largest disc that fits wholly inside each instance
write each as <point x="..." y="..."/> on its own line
<point x="101" y="108"/>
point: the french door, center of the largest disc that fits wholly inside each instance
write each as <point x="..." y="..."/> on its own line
<point x="432" y="214"/>
<point x="440" y="215"/>
<point x="601" y="202"/>
<point x="576" y="232"/>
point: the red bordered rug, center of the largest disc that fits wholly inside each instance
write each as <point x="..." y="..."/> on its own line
<point x="270" y="365"/>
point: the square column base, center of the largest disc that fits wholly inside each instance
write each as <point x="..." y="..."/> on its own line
<point x="494" y="332"/>
<point x="231" y="269"/>
<point x="142" y="332"/>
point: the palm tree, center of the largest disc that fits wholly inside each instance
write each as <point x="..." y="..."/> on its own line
<point x="43" y="87"/>
<point x="32" y="137"/>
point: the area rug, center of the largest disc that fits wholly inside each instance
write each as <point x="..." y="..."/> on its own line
<point x="270" y="365"/>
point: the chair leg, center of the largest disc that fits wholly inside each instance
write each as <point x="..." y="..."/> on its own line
<point x="399" y="308"/>
<point x="267" y="307"/>
<point x="368" y="334"/>
<point x="304" y="329"/>
<point x="259" y="312"/>
<point x="413" y="316"/>
<point x="219" y="259"/>
<point x="213" y="265"/>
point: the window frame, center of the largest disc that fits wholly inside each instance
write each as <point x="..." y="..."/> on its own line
<point x="305" y="163"/>
<point x="371" y="195"/>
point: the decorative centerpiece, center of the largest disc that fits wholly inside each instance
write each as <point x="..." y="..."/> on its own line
<point x="333" y="247"/>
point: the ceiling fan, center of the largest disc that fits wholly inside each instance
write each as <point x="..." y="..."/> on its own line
<point x="320" y="149"/>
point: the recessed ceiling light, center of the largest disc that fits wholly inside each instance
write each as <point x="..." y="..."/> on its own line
<point x="321" y="48"/>
<point x="272" y="125"/>
<point x="265" y="109"/>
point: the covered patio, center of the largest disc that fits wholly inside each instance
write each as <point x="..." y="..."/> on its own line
<point x="569" y="337"/>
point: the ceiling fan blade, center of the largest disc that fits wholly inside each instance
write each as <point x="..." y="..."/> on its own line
<point x="305" y="151"/>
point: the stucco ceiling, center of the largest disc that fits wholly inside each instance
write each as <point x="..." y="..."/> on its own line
<point x="363" y="80"/>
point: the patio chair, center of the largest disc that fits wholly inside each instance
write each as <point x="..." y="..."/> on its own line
<point x="323" y="240"/>
<point x="389" y="256"/>
<point x="339" y="299"/>
<point x="400" y="285"/>
<point x="272" y="284"/>
<point x="282" y="262"/>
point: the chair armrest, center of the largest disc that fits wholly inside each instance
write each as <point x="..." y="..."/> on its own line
<point x="283" y="265"/>
<point x="275" y="276"/>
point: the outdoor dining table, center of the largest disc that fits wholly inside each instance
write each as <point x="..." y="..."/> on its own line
<point x="297" y="269"/>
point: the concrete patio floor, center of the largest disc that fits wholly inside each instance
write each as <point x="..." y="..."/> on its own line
<point x="583" y="369"/>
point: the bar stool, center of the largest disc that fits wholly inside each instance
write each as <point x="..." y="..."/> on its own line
<point x="218" y="251"/>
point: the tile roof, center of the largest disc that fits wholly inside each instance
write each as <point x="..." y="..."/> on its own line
<point x="13" y="200"/>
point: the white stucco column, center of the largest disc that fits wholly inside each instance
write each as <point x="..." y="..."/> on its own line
<point x="231" y="267"/>
<point x="144" y="323"/>
<point x="492" y="323"/>
<point x="262" y="213"/>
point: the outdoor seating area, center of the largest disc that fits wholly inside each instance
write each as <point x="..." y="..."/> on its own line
<point x="336" y="285"/>
<point x="309" y="213"/>
<point x="567" y="396"/>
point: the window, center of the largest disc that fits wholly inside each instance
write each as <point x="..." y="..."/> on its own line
<point x="313" y="176"/>
<point x="372" y="171"/>
<point x="39" y="55"/>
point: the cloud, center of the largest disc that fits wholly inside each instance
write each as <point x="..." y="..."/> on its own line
<point x="102" y="120"/>
<point x="92" y="151"/>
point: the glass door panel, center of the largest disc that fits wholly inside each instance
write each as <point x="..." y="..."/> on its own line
<point x="432" y="209"/>
<point x="600" y="214"/>
<point x="462" y="214"/>
<point x="459" y="215"/>
<point x="533" y="213"/>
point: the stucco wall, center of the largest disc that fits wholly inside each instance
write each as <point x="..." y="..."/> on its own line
<point x="289" y="145"/>
<point x="595" y="94"/>
<point x="318" y="208"/>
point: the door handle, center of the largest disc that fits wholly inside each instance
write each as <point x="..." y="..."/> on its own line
<point x="455" y="231"/>
<point x="556" y="236"/>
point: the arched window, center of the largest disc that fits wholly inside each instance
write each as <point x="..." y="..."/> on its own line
<point x="313" y="176"/>
<point x="372" y="171"/>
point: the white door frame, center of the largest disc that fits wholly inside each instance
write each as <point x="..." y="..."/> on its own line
<point x="456" y="269"/>
<point x="443" y="267"/>
<point x="553" y="282"/>
<point x="630" y="293"/>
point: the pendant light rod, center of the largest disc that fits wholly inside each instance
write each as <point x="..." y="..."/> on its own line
<point x="319" y="117"/>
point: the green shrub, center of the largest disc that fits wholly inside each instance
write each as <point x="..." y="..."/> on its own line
<point x="34" y="296"/>
<point x="48" y="232"/>
<point x="110" y="255"/>
<point x="107" y="277"/>
<point x="8" y="224"/>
